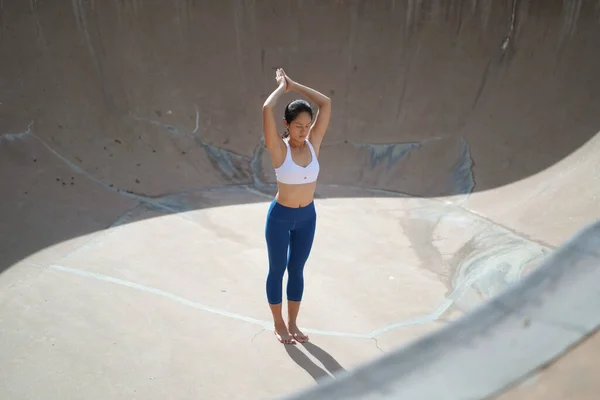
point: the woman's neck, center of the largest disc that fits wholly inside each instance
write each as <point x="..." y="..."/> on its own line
<point x="297" y="144"/>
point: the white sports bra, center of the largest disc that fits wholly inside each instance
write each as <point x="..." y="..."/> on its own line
<point x="293" y="174"/>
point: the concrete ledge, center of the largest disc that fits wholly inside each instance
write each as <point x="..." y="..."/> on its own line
<point x="494" y="346"/>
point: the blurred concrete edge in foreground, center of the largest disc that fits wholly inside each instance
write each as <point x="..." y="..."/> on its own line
<point x="495" y="346"/>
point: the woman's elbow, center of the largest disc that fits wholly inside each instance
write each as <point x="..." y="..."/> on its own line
<point x="267" y="105"/>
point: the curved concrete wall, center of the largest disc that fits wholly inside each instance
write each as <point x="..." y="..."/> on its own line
<point x="429" y="99"/>
<point x="511" y="337"/>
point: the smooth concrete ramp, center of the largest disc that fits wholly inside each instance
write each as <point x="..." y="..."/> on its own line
<point x="500" y="347"/>
<point x="462" y="152"/>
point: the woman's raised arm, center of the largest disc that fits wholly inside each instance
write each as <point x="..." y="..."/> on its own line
<point x="272" y="138"/>
<point x="321" y="122"/>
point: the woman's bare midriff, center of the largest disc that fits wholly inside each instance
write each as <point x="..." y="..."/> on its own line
<point x="295" y="196"/>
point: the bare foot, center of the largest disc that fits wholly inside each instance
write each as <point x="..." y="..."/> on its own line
<point x="297" y="333"/>
<point x="283" y="335"/>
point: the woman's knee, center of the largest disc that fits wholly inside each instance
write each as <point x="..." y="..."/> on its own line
<point x="300" y="249"/>
<point x="275" y="273"/>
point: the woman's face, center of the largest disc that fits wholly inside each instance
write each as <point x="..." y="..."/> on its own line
<point x="299" y="127"/>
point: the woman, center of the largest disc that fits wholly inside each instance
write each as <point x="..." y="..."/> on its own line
<point x="291" y="219"/>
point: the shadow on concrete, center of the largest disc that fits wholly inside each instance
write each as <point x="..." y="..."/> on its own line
<point x="330" y="364"/>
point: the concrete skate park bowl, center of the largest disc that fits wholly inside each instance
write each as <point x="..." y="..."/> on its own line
<point x="456" y="254"/>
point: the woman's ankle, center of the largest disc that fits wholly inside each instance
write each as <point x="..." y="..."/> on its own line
<point x="279" y="323"/>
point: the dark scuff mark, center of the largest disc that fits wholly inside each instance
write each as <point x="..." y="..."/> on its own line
<point x="461" y="178"/>
<point x="389" y="153"/>
<point x="482" y="84"/>
<point x="233" y="166"/>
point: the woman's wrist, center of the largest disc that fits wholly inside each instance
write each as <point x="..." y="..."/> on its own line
<point x="312" y="94"/>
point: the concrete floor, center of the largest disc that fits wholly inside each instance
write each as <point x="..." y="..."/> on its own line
<point x="135" y="186"/>
<point x="132" y="302"/>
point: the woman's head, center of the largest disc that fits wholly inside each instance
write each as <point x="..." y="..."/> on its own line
<point x="297" y="119"/>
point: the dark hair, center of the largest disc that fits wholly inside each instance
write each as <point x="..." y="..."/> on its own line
<point x="295" y="108"/>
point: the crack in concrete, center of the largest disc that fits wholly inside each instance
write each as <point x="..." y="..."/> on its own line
<point x="377" y="344"/>
<point x="256" y="335"/>
<point x="505" y="46"/>
<point x="509" y="38"/>
<point x="482" y="83"/>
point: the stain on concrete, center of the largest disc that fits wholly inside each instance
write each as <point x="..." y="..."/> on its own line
<point x="388" y="154"/>
<point x="460" y="247"/>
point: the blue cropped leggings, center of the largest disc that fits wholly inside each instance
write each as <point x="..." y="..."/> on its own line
<point x="289" y="233"/>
